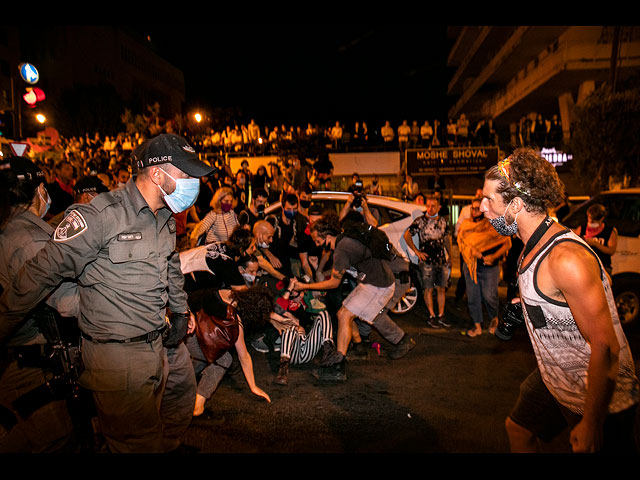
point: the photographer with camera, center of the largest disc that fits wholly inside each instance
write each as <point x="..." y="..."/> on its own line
<point x="358" y="201"/>
<point x="586" y="375"/>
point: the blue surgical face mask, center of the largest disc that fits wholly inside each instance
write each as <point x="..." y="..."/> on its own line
<point x="290" y="214"/>
<point x="185" y="194"/>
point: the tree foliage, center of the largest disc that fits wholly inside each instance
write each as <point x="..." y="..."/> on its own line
<point x="605" y="138"/>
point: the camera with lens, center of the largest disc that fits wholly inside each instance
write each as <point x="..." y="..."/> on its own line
<point x="358" y="194"/>
<point x="512" y="317"/>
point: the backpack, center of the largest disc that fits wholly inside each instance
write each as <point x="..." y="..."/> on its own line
<point x="372" y="237"/>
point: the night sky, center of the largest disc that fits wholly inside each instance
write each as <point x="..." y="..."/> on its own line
<point x="319" y="73"/>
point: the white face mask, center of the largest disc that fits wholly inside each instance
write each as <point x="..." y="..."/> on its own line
<point x="46" y="203"/>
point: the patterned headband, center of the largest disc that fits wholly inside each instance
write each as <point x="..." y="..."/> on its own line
<point x="504" y="169"/>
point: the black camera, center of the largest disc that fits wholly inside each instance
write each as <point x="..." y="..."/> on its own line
<point x="358" y="194"/>
<point x="512" y="317"/>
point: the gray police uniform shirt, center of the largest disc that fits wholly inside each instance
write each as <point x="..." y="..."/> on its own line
<point x="21" y="239"/>
<point x="125" y="262"/>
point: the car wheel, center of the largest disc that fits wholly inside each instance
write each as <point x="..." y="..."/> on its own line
<point x="627" y="296"/>
<point x="408" y="301"/>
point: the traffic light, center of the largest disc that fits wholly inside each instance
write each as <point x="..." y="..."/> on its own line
<point x="33" y="96"/>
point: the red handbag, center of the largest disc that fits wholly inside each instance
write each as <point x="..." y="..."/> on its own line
<point x="216" y="335"/>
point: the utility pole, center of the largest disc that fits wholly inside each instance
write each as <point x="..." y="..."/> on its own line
<point x="615" y="55"/>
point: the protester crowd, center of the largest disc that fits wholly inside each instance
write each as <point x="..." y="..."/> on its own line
<point x="307" y="284"/>
<point x="360" y="135"/>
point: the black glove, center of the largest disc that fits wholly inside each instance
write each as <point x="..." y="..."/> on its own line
<point x="179" y="323"/>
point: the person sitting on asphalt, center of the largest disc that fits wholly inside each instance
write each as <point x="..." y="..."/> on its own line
<point x="218" y="224"/>
<point x="303" y="333"/>
<point x="263" y="232"/>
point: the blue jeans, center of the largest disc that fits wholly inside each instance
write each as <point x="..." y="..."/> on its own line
<point x="485" y="291"/>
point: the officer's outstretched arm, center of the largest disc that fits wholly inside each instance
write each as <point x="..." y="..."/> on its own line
<point x="75" y="243"/>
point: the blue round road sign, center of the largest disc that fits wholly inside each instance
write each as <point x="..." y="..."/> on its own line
<point x="29" y="73"/>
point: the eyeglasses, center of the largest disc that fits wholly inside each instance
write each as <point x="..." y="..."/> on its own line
<point x="475" y="208"/>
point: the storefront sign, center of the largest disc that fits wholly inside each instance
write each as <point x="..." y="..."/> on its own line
<point x="449" y="161"/>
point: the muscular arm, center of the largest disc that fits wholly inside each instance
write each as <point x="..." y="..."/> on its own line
<point x="56" y="261"/>
<point x="576" y="275"/>
<point x="329" y="284"/>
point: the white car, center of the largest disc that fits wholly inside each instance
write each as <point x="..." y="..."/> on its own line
<point x="623" y="213"/>
<point x="394" y="217"/>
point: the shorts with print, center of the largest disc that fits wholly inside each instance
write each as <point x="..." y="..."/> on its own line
<point x="434" y="275"/>
<point x="366" y="301"/>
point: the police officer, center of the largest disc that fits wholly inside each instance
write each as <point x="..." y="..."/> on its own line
<point x="32" y="418"/>
<point x="84" y="190"/>
<point x="121" y="249"/>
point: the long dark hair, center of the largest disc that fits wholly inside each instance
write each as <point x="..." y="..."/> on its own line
<point x="254" y="305"/>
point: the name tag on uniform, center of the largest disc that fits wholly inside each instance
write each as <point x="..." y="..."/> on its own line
<point x="127" y="237"/>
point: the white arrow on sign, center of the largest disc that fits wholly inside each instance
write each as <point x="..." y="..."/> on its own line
<point x="18" y="148"/>
<point x="30" y="73"/>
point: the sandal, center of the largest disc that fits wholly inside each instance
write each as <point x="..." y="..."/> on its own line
<point x="473" y="333"/>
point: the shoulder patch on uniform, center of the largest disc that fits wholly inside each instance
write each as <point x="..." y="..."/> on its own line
<point x="70" y="227"/>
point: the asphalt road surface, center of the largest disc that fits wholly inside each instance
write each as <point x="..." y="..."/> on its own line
<point x="450" y="394"/>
